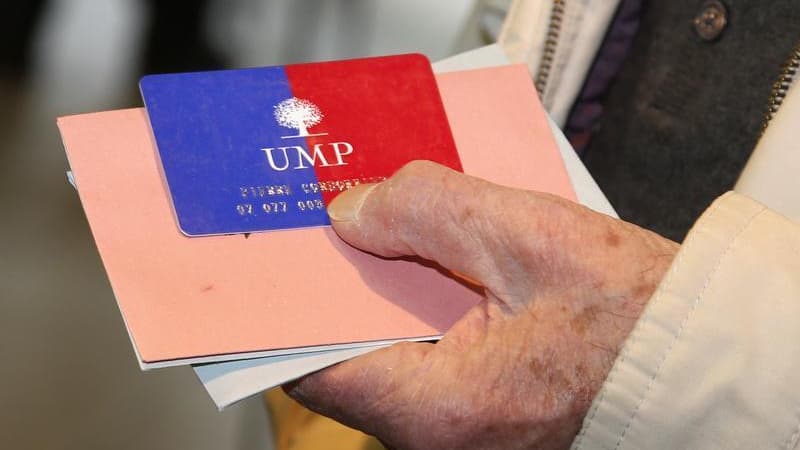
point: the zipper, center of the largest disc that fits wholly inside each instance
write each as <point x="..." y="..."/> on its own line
<point x="781" y="86"/>
<point x="550" y="44"/>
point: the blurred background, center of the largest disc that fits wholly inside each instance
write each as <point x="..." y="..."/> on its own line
<point x="68" y="375"/>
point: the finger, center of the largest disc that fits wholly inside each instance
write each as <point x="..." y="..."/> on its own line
<point x="465" y="224"/>
<point x="366" y="392"/>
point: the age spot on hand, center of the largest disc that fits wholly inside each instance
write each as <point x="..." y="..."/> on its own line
<point x="612" y="239"/>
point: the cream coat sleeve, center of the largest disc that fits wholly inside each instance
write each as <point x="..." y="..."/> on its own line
<point x="714" y="361"/>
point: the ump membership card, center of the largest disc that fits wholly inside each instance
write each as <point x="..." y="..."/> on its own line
<point x="268" y="148"/>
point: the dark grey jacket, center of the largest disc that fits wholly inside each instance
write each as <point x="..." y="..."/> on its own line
<point x="685" y="112"/>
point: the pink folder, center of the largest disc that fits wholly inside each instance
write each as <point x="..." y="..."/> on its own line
<point x="190" y="300"/>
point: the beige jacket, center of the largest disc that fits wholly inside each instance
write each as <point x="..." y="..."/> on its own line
<point x="714" y="362"/>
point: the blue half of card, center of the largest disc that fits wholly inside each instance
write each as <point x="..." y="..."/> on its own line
<point x="210" y="129"/>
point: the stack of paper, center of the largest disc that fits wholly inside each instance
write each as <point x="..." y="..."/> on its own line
<point x="252" y="311"/>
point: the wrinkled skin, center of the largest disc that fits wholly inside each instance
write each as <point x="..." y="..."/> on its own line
<point x="563" y="288"/>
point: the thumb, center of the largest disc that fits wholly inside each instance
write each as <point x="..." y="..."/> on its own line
<point x="463" y="223"/>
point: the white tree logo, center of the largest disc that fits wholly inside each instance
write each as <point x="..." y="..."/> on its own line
<point x="299" y="114"/>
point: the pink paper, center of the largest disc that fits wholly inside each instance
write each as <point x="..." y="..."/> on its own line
<point x="188" y="298"/>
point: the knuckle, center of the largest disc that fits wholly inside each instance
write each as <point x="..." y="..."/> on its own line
<point x="410" y="188"/>
<point x="417" y="166"/>
<point x="420" y="173"/>
<point x="422" y="177"/>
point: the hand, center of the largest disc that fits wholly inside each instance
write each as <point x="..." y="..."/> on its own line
<point x="563" y="285"/>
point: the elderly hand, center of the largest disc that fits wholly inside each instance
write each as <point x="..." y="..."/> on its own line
<point x="563" y="288"/>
